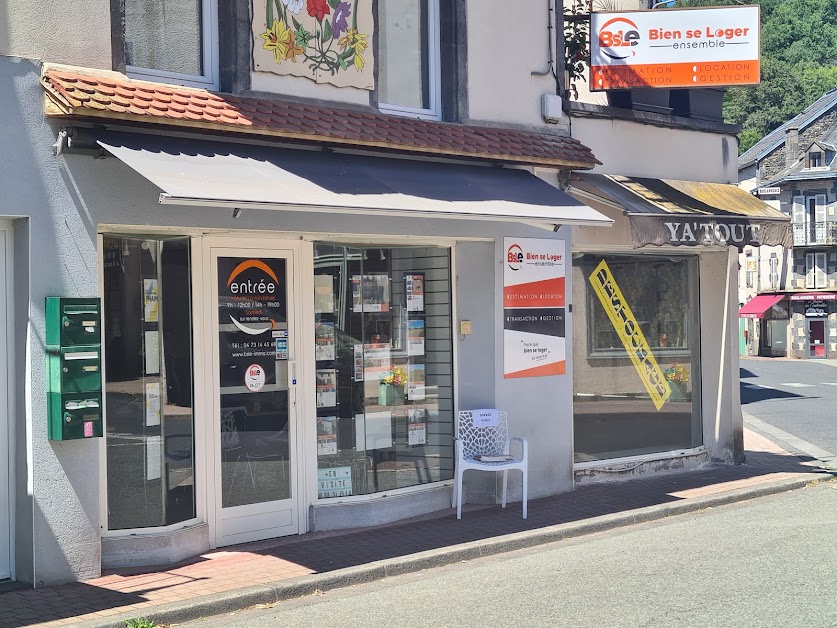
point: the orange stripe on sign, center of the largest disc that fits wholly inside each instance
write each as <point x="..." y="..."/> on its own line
<point x="701" y="74"/>
<point x="546" y="293"/>
<point x="555" y="368"/>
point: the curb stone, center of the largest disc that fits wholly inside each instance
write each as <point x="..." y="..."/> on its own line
<point x="239" y="599"/>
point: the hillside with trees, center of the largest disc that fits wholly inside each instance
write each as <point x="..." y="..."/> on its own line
<point x="798" y="64"/>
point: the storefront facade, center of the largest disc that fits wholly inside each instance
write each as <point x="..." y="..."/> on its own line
<point x="655" y="343"/>
<point x="303" y="275"/>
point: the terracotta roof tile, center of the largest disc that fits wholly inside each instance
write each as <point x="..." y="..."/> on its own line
<point x="87" y="94"/>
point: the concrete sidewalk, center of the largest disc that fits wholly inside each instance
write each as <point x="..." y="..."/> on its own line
<point x="261" y="573"/>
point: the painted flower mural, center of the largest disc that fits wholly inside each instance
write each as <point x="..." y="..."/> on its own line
<point x="327" y="42"/>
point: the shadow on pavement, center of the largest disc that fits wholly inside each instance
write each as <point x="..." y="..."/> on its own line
<point x="745" y="374"/>
<point x="752" y="394"/>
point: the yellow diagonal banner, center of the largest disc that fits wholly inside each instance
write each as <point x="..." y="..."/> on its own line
<point x="630" y="334"/>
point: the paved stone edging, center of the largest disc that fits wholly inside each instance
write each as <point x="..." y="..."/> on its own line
<point x="239" y="599"/>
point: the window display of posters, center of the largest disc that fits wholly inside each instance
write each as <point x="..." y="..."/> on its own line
<point x="326" y="388"/>
<point x="415" y="382"/>
<point x="324" y="341"/>
<point x="151" y="301"/>
<point x="377" y="361"/>
<point x="534" y="276"/>
<point x="414" y="289"/>
<point x="323" y="294"/>
<point x="373" y="430"/>
<point x="335" y="482"/>
<point x="326" y="435"/>
<point x="415" y="337"/>
<point x="416" y="426"/>
<point x="153" y="458"/>
<point x="370" y="293"/>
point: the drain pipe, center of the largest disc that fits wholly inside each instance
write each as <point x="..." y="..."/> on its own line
<point x="551" y="24"/>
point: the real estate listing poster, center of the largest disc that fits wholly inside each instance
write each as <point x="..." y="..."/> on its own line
<point x="415" y="382"/>
<point x="324" y="341"/>
<point x="416" y="426"/>
<point x="415" y="337"/>
<point x="370" y="293"/>
<point x="534" y="339"/>
<point x="326" y="435"/>
<point x="326" y="388"/>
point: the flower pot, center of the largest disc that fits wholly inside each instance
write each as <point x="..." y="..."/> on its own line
<point x="390" y="395"/>
<point x="679" y="391"/>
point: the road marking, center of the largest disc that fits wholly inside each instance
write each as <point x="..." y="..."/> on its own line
<point x="796" y="385"/>
<point x="758" y="385"/>
<point x="829" y="383"/>
<point x="789" y="439"/>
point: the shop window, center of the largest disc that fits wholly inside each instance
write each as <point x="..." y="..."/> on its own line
<point x="172" y="41"/>
<point x="148" y="382"/>
<point x="384" y="368"/>
<point x="623" y="405"/>
<point x="409" y="57"/>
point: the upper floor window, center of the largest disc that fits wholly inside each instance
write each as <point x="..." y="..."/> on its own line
<point x="815" y="159"/>
<point x="409" y="76"/>
<point x="172" y="41"/>
<point x="816" y="273"/>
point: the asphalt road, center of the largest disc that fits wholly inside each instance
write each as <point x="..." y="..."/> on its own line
<point x="769" y="562"/>
<point x="798" y="397"/>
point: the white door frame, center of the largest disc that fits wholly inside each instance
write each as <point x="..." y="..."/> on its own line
<point x="299" y="309"/>
<point x="7" y="466"/>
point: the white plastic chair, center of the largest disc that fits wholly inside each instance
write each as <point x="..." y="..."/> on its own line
<point x="486" y="437"/>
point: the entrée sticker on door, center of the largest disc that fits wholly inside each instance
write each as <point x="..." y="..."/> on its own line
<point x="255" y="378"/>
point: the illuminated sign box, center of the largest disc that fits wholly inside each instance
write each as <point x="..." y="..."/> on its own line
<point x="675" y="48"/>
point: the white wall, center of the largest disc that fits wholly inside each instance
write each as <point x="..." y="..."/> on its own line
<point x="641" y="150"/>
<point x="76" y="32"/>
<point x="506" y="43"/>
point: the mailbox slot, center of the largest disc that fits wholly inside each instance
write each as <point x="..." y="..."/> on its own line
<point x="81" y="369"/>
<point x="74" y="416"/>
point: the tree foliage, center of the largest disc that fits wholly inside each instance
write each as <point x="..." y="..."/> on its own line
<point x="798" y="64"/>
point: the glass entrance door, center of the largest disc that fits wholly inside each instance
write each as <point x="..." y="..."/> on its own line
<point x="816" y="338"/>
<point x="5" y="303"/>
<point x="254" y="394"/>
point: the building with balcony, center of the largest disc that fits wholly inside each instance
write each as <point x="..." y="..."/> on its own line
<point x="314" y="231"/>
<point x="795" y="170"/>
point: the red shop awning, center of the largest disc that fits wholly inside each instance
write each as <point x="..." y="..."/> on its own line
<point x="758" y="305"/>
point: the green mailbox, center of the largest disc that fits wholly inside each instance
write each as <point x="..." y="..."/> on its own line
<point x="74" y="368"/>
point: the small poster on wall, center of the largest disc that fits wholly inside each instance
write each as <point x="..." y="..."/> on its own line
<point x="370" y="293"/>
<point x="324" y="341"/>
<point x="152" y="404"/>
<point x="373" y="430"/>
<point x="534" y="294"/>
<point x="326" y="388"/>
<point x="414" y="289"/>
<point x="416" y="426"/>
<point x="415" y="337"/>
<point x="326" y="435"/>
<point x="358" y="363"/>
<point x="415" y="382"/>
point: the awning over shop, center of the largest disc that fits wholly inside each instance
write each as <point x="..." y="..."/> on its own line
<point x="758" y="305"/>
<point x="220" y="174"/>
<point x="687" y="213"/>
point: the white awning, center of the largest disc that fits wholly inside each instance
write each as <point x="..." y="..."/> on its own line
<point x="218" y="174"/>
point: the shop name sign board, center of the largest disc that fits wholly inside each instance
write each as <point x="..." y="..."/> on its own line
<point x="534" y="295"/>
<point x="627" y="328"/>
<point x="688" y="231"/>
<point x="676" y="48"/>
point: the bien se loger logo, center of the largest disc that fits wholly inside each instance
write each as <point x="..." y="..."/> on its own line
<point x="514" y="257"/>
<point x="617" y="33"/>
